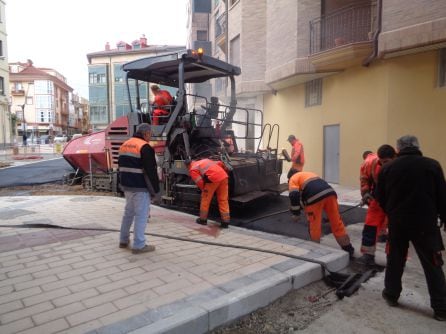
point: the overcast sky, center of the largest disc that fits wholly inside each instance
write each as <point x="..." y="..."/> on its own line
<point x="59" y="34"/>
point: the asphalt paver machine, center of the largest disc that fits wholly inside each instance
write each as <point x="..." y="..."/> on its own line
<point x="195" y="127"/>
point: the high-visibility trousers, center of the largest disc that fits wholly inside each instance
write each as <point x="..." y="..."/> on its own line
<point x="221" y="189"/>
<point x="314" y="215"/>
<point x="375" y="222"/>
<point x="156" y="115"/>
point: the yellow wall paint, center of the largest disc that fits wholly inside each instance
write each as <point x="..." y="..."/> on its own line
<point x="354" y="99"/>
<point x="418" y="105"/>
<point x="373" y="105"/>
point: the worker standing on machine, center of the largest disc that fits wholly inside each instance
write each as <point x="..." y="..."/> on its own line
<point x="297" y="156"/>
<point x="375" y="220"/>
<point x="161" y="102"/>
<point x="211" y="177"/>
<point x="315" y="195"/>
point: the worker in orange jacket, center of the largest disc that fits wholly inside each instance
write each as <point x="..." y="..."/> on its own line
<point x="297" y="156"/>
<point x="161" y="102"/>
<point x="211" y="177"/>
<point x="375" y="220"/>
<point x="315" y="195"/>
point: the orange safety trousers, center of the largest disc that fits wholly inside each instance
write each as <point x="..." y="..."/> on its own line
<point x="221" y="188"/>
<point x="375" y="225"/>
<point x="156" y="115"/>
<point x="314" y="215"/>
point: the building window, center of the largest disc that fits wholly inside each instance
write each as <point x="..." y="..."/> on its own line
<point x="1" y="48"/>
<point x="235" y="51"/>
<point x="45" y="116"/>
<point x="202" y="35"/>
<point x="2" y="86"/>
<point x="442" y="69"/>
<point x="43" y="87"/>
<point x="95" y="78"/>
<point x="313" y="93"/>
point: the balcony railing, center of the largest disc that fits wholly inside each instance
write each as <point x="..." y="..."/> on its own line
<point x="18" y="92"/>
<point x="346" y="26"/>
<point x="220" y="25"/>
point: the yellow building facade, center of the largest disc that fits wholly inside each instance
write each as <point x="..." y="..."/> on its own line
<point x="372" y="106"/>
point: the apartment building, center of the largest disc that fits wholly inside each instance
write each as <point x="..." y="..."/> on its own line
<point x="108" y="94"/>
<point x="78" y="119"/>
<point x="198" y="37"/>
<point x="344" y="76"/>
<point x="6" y="119"/>
<point x="40" y="99"/>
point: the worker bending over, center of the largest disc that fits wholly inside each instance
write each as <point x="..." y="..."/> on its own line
<point x="211" y="177"/>
<point x="314" y="194"/>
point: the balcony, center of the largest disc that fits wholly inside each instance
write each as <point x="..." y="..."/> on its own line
<point x="343" y="38"/>
<point x="18" y="92"/>
<point x="220" y="32"/>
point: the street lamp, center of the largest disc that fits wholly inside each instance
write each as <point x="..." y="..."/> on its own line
<point x="22" y="106"/>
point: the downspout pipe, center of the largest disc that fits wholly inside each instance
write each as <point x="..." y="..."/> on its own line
<point x="376" y="33"/>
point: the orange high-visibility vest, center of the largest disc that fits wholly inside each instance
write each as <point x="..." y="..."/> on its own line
<point x="206" y="169"/>
<point x="312" y="187"/>
<point x="368" y="172"/>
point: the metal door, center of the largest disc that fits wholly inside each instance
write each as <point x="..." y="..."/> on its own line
<point x="331" y="153"/>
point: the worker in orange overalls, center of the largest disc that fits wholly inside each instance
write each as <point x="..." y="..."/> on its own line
<point x="297" y="156"/>
<point x="211" y="177"/>
<point x="375" y="220"/>
<point x="315" y="195"/>
<point x="228" y="143"/>
<point x="162" y="101"/>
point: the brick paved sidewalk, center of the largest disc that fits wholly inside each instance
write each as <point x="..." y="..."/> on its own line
<point x="72" y="281"/>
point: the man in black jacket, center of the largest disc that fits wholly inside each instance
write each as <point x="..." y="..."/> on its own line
<point x="412" y="191"/>
<point x="139" y="181"/>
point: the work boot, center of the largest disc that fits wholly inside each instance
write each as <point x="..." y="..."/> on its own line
<point x="145" y="249"/>
<point x="440" y="315"/>
<point x="201" y="221"/>
<point x="391" y="301"/>
<point x="350" y="250"/>
<point x="366" y="260"/>
<point x="123" y="245"/>
<point x="224" y="225"/>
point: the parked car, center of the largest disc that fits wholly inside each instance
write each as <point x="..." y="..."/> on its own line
<point x="60" y="139"/>
<point x="76" y="135"/>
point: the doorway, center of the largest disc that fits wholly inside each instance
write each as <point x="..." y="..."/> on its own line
<point x="331" y="153"/>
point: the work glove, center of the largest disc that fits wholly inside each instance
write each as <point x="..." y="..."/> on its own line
<point x="156" y="199"/>
<point x="366" y="198"/>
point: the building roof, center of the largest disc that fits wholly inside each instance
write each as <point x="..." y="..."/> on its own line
<point x="150" y="49"/>
<point x="32" y="73"/>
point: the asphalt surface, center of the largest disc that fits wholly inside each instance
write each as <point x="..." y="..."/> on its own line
<point x="35" y="172"/>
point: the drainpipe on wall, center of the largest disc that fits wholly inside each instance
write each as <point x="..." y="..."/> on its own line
<point x="374" y="53"/>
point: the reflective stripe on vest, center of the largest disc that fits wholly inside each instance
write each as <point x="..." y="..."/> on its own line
<point x="320" y="194"/>
<point x="203" y="169"/>
<point x="131" y="170"/>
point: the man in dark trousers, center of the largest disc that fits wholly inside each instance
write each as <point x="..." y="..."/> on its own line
<point x="139" y="181"/>
<point x="412" y="192"/>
